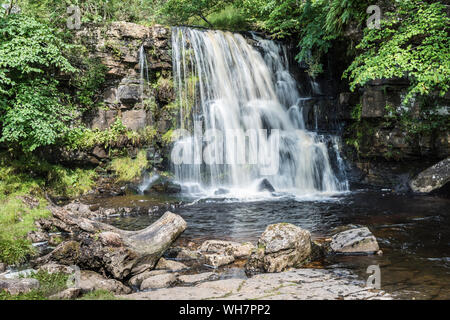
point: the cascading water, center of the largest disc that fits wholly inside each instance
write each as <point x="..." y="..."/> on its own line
<point x="226" y="85"/>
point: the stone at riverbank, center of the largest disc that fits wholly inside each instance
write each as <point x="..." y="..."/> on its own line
<point x="359" y="240"/>
<point x="299" y="284"/>
<point x="281" y="246"/>
<point x="90" y="281"/>
<point x="433" y="178"/>
<point x="159" y="281"/>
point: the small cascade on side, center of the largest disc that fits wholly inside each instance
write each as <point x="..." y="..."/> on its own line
<point x="143" y="70"/>
<point x="243" y="114"/>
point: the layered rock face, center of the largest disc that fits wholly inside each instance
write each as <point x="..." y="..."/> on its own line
<point x="138" y="89"/>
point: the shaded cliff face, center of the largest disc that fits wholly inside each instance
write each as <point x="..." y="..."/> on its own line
<point x="118" y="46"/>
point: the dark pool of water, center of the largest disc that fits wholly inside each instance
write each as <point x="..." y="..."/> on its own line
<point x="413" y="231"/>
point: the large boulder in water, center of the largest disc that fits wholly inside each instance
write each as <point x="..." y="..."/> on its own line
<point x="281" y="246"/>
<point x="433" y="178"/>
<point x="265" y="185"/>
<point x="359" y="240"/>
<point x="164" y="185"/>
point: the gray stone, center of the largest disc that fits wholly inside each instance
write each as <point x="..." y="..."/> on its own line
<point x="159" y="281"/>
<point x="90" y="281"/>
<point x="218" y="260"/>
<point x="67" y="294"/>
<point x="164" y="264"/>
<point x="134" y="119"/>
<point x="298" y="284"/>
<point x="129" y="94"/>
<point x="2" y="267"/>
<point x="137" y="279"/>
<point x="281" y="246"/>
<point x="235" y="249"/>
<point x="359" y="240"/>
<point x="37" y="236"/>
<point x="17" y="286"/>
<point x="56" y="268"/>
<point x="433" y="178"/>
<point x="195" y="278"/>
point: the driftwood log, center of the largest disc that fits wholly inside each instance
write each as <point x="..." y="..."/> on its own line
<point x="92" y="245"/>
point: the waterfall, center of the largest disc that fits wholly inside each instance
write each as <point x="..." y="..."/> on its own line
<point x="143" y="70"/>
<point x="241" y="92"/>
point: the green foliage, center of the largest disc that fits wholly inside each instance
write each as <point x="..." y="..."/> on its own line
<point x="229" y="18"/>
<point x="182" y="11"/>
<point x="127" y="169"/>
<point x="99" y="295"/>
<point x="32" y="109"/>
<point x="412" y="42"/>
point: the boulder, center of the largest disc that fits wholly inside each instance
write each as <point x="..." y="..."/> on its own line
<point x="103" y="248"/>
<point x="91" y="281"/>
<point x="164" y="185"/>
<point x="359" y="240"/>
<point x="2" y="267"/>
<point x="182" y="254"/>
<point x="52" y="268"/>
<point x="159" y="281"/>
<point x="281" y="246"/>
<point x="129" y="93"/>
<point x="17" y="286"/>
<point x="137" y="279"/>
<point x="164" y="264"/>
<point x="265" y="185"/>
<point x="218" y="260"/>
<point x="433" y="178"/>
<point x="235" y="249"/>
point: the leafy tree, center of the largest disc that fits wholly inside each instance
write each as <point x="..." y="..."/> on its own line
<point x="412" y="42"/>
<point x="33" y="112"/>
<point x="181" y="11"/>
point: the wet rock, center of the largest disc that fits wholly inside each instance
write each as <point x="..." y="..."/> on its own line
<point x="433" y="178"/>
<point x="68" y="294"/>
<point x="195" y="278"/>
<point x="281" y="246"/>
<point x="2" y="267"/>
<point x="164" y="185"/>
<point x="218" y="260"/>
<point x="129" y="93"/>
<point x="265" y="185"/>
<point x="17" y="286"/>
<point x="221" y="191"/>
<point x="56" y="268"/>
<point x="159" y="281"/>
<point x="80" y="209"/>
<point x="359" y="240"/>
<point x="164" y="264"/>
<point x="90" y="281"/>
<point x="137" y="279"/>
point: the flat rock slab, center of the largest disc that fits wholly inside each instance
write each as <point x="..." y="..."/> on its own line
<point x="298" y="284"/>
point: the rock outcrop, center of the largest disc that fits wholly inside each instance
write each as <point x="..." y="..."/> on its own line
<point x="281" y="246"/>
<point x="433" y="178"/>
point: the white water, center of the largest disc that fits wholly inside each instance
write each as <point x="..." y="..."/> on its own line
<point x="227" y="84"/>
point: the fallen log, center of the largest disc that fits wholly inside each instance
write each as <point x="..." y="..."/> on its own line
<point x="100" y="247"/>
